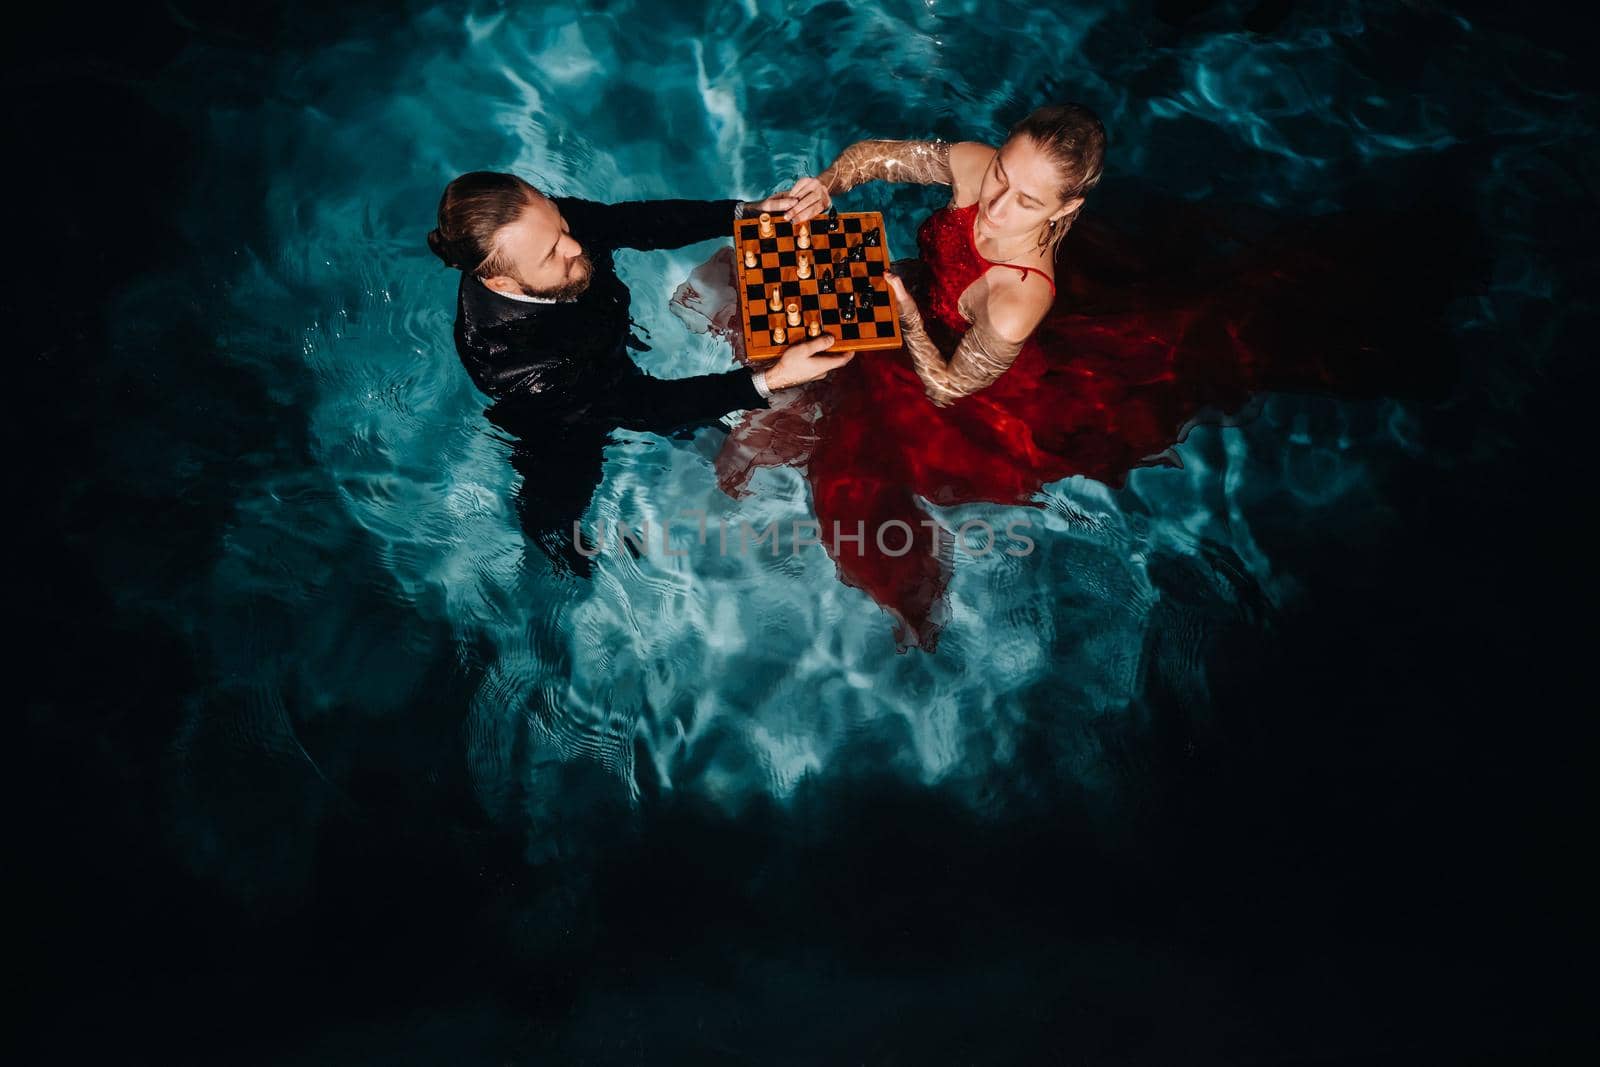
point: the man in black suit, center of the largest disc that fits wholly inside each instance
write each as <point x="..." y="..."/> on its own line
<point x="542" y="326"/>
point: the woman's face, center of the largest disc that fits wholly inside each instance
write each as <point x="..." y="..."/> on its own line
<point x="1021" y="190"/>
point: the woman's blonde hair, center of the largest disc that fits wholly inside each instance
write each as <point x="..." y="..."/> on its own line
<point x="1074" y="139"/>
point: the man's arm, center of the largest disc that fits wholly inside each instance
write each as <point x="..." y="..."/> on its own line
<point x="648" y="224"/>
<point x="662" y="405"/>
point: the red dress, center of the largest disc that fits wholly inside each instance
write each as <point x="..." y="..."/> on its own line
<point x="1140" y="344"/>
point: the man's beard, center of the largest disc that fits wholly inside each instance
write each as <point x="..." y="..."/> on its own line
<point x="568" y="290"/>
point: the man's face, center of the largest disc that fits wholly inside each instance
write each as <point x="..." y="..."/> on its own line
<point x="544" y="258"/>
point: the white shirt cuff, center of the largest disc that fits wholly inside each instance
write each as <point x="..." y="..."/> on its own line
<point x="760" y="378"/>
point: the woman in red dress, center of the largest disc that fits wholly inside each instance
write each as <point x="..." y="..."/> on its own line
<point x="1020" y="369"/>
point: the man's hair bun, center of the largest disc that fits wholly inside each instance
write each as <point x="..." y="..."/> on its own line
<point x="474" y="207"/>
<point x="441" y="248"/>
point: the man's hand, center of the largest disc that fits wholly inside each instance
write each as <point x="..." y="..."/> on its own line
<point x="800" y="363"/>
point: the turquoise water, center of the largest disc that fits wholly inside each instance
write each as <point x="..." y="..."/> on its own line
<point x="376" y="647"/>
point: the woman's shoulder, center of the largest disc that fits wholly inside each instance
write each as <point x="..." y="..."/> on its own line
<point x="968" y="161"/>
<point x="1018" y="299"/>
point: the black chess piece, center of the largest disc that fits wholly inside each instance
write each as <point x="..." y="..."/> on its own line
<point x="865" y="298"/>
<point x="858" y="254"/>
<point x="825" y="281"/>
<point x="847" y="307"/>
<point x="871" y="240"/>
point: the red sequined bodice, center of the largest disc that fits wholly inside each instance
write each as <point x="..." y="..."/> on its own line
<point x="954" y="262"/>
<point x="945" y="239"/>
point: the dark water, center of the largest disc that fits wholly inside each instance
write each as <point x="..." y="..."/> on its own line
<point x="1333" y="823"/>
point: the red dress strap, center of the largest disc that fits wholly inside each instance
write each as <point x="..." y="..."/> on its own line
<point x="1048" y="280"/>
<point x="1014" y="266"/>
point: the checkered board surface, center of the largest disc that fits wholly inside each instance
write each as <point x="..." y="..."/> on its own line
<point x="875" y="327"/>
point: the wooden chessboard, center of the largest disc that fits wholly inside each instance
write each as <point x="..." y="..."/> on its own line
<point x="874" y="327"/>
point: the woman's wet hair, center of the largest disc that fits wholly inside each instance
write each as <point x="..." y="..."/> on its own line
<point x="1074" y="139"/>
<point x="472" y="210"/>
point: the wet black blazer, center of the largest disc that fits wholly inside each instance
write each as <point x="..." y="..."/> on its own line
<point x="569" y="362"/>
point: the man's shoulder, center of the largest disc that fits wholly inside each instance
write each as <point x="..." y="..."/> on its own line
<point x="480" y="309"/>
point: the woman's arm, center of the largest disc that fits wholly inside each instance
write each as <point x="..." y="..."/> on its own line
<point x="922" y="162"/>
<point x="1003" y="324"/>
<point x="979" y="359"/>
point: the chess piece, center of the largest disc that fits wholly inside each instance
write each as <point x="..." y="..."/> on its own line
<point x="847" y="307"/>
<point x="775" y="300"/>
<point x="858" y="253"/>
<point x="750" y="256"/>
<point x="802" y="268"/>
<point x="833" y="219"/>
<point x="802" y="236"/>
<point x="766" y="225"/>
<point x="872" y="239"/>
<point x="814" y="327"/>
<point x="865" y="298"/>
<point x="780" y="335"/>
<point x="825" y="283"/>
<point x="793" y="314"/>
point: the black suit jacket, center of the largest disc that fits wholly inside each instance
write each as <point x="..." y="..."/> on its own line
<point x="568" y="363"/>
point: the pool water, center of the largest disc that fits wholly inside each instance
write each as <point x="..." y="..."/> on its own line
<point x="390" y="689"/>
<point x="730" y="676"/>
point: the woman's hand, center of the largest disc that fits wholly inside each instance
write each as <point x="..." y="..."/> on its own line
<point x="803" y="202"/>
<point x="776" y="204"/>
<point x="810" y="198"/>
<point x="909" y="313"/>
